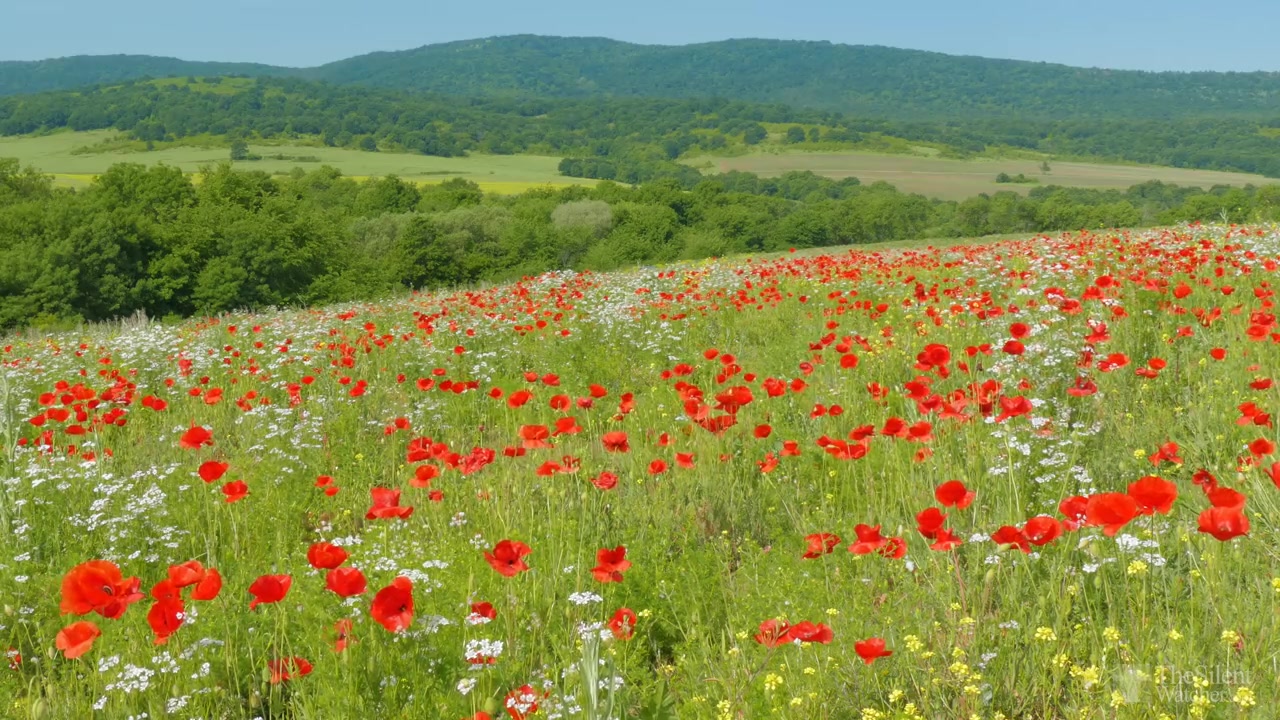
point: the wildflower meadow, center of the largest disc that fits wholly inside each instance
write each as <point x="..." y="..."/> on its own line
<point x="1033" y="478"/>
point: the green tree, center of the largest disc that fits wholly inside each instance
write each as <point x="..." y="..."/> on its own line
<point x="795" y="134"/>
<point x="387" y="194"/>
<point x="239" y="150"/>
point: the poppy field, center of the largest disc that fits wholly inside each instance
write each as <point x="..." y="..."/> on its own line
<point x="1024" y="479"/>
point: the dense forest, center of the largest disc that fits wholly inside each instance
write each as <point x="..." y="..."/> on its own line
<point x="153" y="240"/>
<point x="867" y="81"/>
<point x="628" y="139"/>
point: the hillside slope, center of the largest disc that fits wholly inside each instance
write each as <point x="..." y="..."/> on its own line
<point x="21" y="78"/>
<point x="868" y="81"/>
<point x="858" y="79"/>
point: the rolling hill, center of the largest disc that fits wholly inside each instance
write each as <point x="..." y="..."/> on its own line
<point x="68" y="73"/>
<point x="869" y="81"/>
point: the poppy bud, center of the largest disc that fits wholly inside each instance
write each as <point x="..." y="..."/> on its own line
<point x="490" y="705"/>
<point x="255" y="700"/>
<point x="990" y="576"/>
<point x="39" y="709"/>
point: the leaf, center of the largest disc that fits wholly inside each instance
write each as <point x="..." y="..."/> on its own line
<point x="659" y="706"/>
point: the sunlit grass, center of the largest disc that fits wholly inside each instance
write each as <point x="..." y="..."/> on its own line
<point x="743" y="420"/>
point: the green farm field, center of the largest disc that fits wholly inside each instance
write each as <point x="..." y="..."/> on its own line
<point x="56" y="155"/>
<point x="952" y="179"/>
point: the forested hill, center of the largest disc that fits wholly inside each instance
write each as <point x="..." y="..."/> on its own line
<point x="20" y="78"/>
<point x="858" y="79"/>
<point x="862" y="80"/>
<point x="626" y="139"/>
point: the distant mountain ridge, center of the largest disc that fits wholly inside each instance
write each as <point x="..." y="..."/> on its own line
<point x="69" y="73"/>
<point x="862" y="80"/>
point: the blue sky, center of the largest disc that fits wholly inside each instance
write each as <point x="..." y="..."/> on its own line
<point x="1136" y="34"/>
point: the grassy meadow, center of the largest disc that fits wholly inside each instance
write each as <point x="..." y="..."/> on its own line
<point x="957" y="179"/>
<point x="1033" y="478"/>
<point x="64" y="156"/>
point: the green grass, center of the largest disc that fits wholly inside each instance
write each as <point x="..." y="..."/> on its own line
<point x="56" y="154"/>
<point x="215" y="86"/>
<point x="1158" y="621"/>
<point x="956" y="179"/>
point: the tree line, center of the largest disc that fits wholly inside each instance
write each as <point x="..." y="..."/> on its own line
<point x="151" y="239"/>
<point x="625" y="139"/>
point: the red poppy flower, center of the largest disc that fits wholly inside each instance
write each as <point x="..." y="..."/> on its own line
<point x="820" y="544"/>
<point x="483" y="610"/>
<point x="1262" y="447"/>
<point x="166" y="590"/>
<point x="605" y="481"/>
<point x="77" y="639"/>
<point x="1042" y="530"/>
<point x="1112" y="511"/>
<point x="393" y="605"/>
<point x="1010" y="535"/>
<point x="522" y="702"/>
<point x="871" y="650"/>
<point x="98" y="586"/>
<point x="423" y="475"/>
<point x="1225" y="497"/>
<point x="773" y="632"/>
<point x="286" y="669"/>
<point x="1154" y="495"/>
<point x="1075" y="510"/>
<point x="269" y="589"/>
<point x="810" y="633"/>
<point x="869" y="540"/>
<point x="929" y="521"/>
<point x="208" y="587"/>
<point x="1224" y="523"/>
<point x="623" y="623"/>
<point x="1083" y="387"/>
<point x="235" y="491"/>
<point x="895" y="548"/>
<point x="945" y="540"/>
<point x="615" y="441"/>
<point x="325" y="556"/>
<point x="507" y="557"/>
<point x="346" y="581"/>
<point x="212" y="470"/>
<point x="195" y="438"/>
<point x="954" y="494"/>
<point x="1011" y="407"/>
<point x="534" y="436"/>
<point x="567" y="426"/>
<point x="165" y="617"/>
<point x="386" y="504"/>
<point x="610" y="564"/>
<point x="188" y="573"/>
